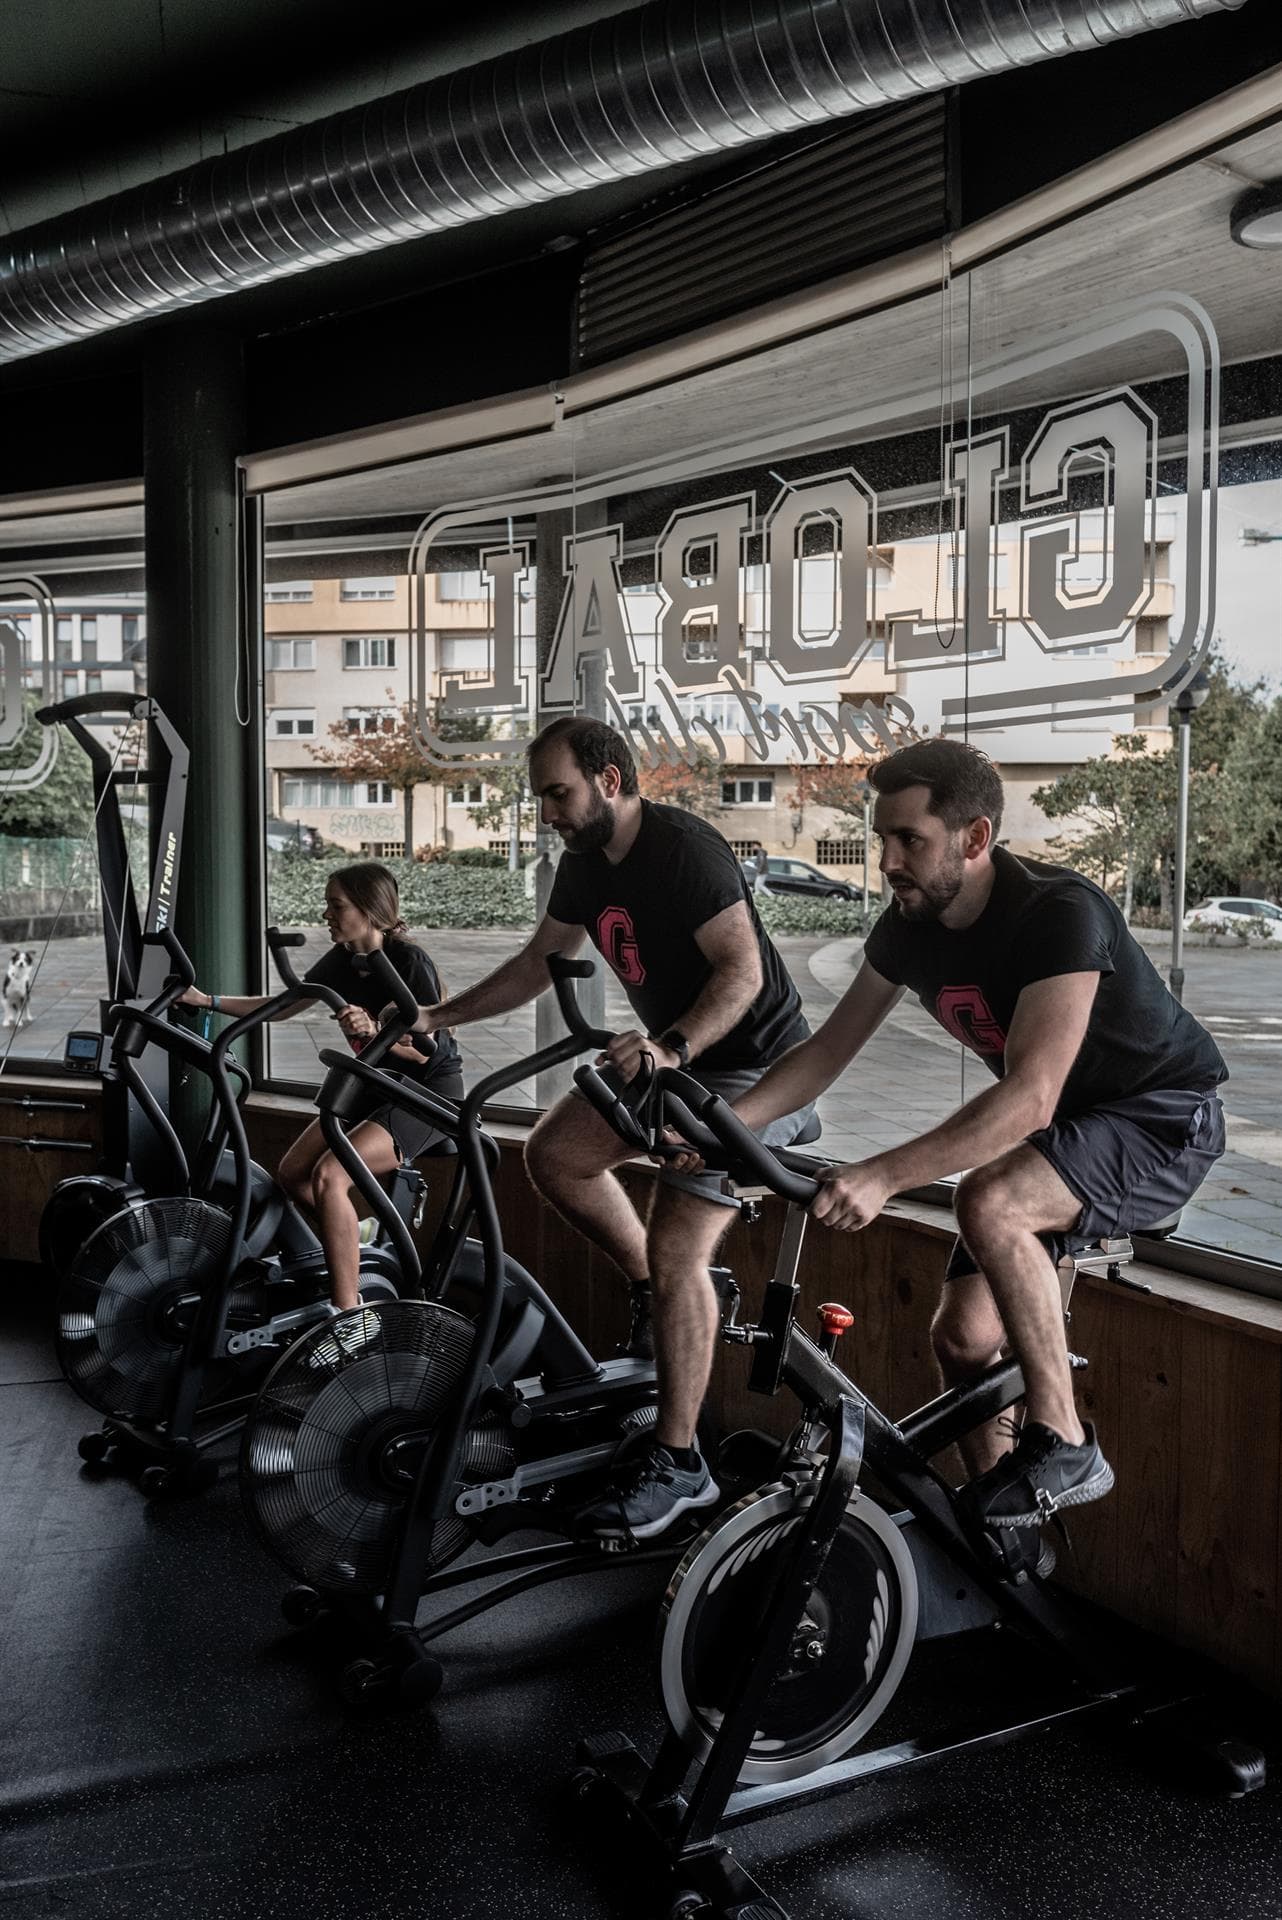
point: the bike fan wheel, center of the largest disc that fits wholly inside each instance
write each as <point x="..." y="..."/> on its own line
<point x="126" y="1305"/>
<point x="76" y="1208"/>
<point x="847" y="1654"/>
<point x="331" y="1450"/>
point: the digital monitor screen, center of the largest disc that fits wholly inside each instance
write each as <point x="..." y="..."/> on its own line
<point x="82" y="1046"/>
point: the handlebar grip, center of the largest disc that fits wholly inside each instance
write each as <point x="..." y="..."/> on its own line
<point x="166" y="937"/>
<point x="277" y="939"/>
<point x="561" y="972"/>
<point x="611" y="1108"/>
<point x="740" y="1141"/>
<point x="389" y="982"/>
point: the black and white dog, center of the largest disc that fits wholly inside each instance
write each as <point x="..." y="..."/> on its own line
<point x="17" y="987"/>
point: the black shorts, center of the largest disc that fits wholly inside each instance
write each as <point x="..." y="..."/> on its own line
<point x="1131" y="1163"/>
<point x="411" y="1134"/>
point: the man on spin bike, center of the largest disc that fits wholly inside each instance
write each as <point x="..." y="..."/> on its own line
<point x="1104" y="1117"/>
<point x="663" y="897"/>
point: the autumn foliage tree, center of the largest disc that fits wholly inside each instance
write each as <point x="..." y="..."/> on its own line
<point x="841" y="785"/>
<point x="696" y="788"/>
<point x="390" y="750"/>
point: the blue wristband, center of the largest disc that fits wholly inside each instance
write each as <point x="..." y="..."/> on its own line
<point x="213" y="1003"/>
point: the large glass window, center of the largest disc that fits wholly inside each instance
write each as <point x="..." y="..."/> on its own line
<point x="1038" y="507"/>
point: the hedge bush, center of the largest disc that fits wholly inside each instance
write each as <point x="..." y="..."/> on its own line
<point x="789" y="913"/>
<point x="432" y="895"/>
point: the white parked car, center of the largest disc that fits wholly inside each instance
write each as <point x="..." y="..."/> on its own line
<point x="1229" y="913"/>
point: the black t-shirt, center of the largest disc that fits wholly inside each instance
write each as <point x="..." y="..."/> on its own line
<point x="643" y="912"/>
<point x="1041" y="921"/>
<point x="347" y="974"/>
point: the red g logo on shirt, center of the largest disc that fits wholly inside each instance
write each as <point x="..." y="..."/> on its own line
<point x="616" y="937"/>
<point x="968" y="1017"/>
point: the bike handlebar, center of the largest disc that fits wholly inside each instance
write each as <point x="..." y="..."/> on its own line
<point x="711" y="1127"/>
<point x="562" y="972"/>
<point x="278" y="945"/>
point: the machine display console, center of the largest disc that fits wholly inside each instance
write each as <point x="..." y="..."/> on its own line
<point x="83" y="1053"/>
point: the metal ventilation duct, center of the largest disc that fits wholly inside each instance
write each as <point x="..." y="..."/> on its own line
<point x="638" y="91"/>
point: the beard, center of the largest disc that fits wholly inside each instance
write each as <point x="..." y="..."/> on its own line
<point x="595" y="830"/>
<point x="934" y="896"/>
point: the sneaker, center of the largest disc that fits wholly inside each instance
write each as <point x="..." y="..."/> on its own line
<point x="350" y="1334"/>
<point x="650" y="1494"/>
<point x="1043" y="1474"/>
<point x="639" y="1344"/>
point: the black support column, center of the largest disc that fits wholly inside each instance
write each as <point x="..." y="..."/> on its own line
<point x="198" y="664"/>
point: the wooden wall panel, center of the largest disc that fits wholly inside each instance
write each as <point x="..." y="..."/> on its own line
<point x="1227" y="1587"/>
<point x="28" y="1177"/>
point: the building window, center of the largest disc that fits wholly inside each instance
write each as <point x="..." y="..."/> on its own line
<point x="129" y="636"/>
<point x="460" y="586"/>
<point x="93" y="683"/>
<point x="369" y="719"/>
<point x="89" y="638"/>
<point x="375" y="793"/>
<point x="384" y="849"/>
<point x="839" y="853"/>
<point x="369" y="650"/>
<point x="289" y="723"/>
<point x="286" y="655"/>
<point x="317" y="790"/>
<point x="745" y="849"/>
<point x="372" y="587"/>
<point x="470" y="794"/>
<point x="505" y="846"/>
<point x="62" y="637"/>
<point x="747" y="793"/>
<point x="281" y="591"/>
<point x="70" y="685"/>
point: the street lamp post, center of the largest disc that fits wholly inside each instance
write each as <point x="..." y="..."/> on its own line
<point x="867" y="838"/>
<point x="1182" y="710"/>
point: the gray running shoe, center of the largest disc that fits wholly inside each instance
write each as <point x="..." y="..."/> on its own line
<point x="1042" y="1475"/>
<point x="650" y="1494"/>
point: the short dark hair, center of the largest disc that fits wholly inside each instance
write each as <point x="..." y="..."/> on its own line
<point x="963" y="782"/>
<point x="595" y="745"/>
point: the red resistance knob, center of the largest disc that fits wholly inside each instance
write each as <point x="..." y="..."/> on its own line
<point x="835" y="1320"/>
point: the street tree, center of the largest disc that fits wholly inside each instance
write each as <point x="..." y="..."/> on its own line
<point x="386" y="747"/>
<point x="62" y="805"/>
<point x="693" y="785"/>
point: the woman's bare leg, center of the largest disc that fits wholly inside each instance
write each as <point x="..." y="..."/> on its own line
<point x="336" y="1215"/>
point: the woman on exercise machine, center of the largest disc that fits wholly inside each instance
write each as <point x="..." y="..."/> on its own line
<point x="363" y="915"/>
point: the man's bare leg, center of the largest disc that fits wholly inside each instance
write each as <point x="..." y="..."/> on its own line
<point x="684" y="1234"/>
<point x="967" y="1336"/>
<point x="569" y="1157"/>
<point x="1001" y="1209"/>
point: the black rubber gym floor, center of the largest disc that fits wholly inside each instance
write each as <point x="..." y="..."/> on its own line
<point x="168" y="1746"/>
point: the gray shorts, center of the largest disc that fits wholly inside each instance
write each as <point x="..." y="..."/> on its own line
<point x="1132" y="1164"/>
<point x="730" y="1083"/>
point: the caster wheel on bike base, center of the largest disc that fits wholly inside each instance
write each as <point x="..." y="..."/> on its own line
<point x="364" y="1683"/>
<point x="420" y="1681"/>
<point x="301" y="1605"/>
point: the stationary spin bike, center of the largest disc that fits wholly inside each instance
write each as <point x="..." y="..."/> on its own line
<point x="789" y="1624"/>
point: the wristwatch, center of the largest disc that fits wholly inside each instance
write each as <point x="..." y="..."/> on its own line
<point x="677" y="1043"/>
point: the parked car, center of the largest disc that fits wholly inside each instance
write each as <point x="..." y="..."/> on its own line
<point x="1230" y="911"/>
<point x="794" y="876"/>
<point x="286" y="836"/>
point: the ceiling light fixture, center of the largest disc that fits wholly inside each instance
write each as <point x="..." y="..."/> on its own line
<point x="1256" y="219"/>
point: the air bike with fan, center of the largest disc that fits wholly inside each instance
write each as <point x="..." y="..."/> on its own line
<point x="176" y="1305"/>
<point x="789" y="1625"/>
<point x="368" y="1468"/>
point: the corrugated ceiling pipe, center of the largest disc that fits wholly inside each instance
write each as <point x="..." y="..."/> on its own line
<point x="638" y="91"/>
